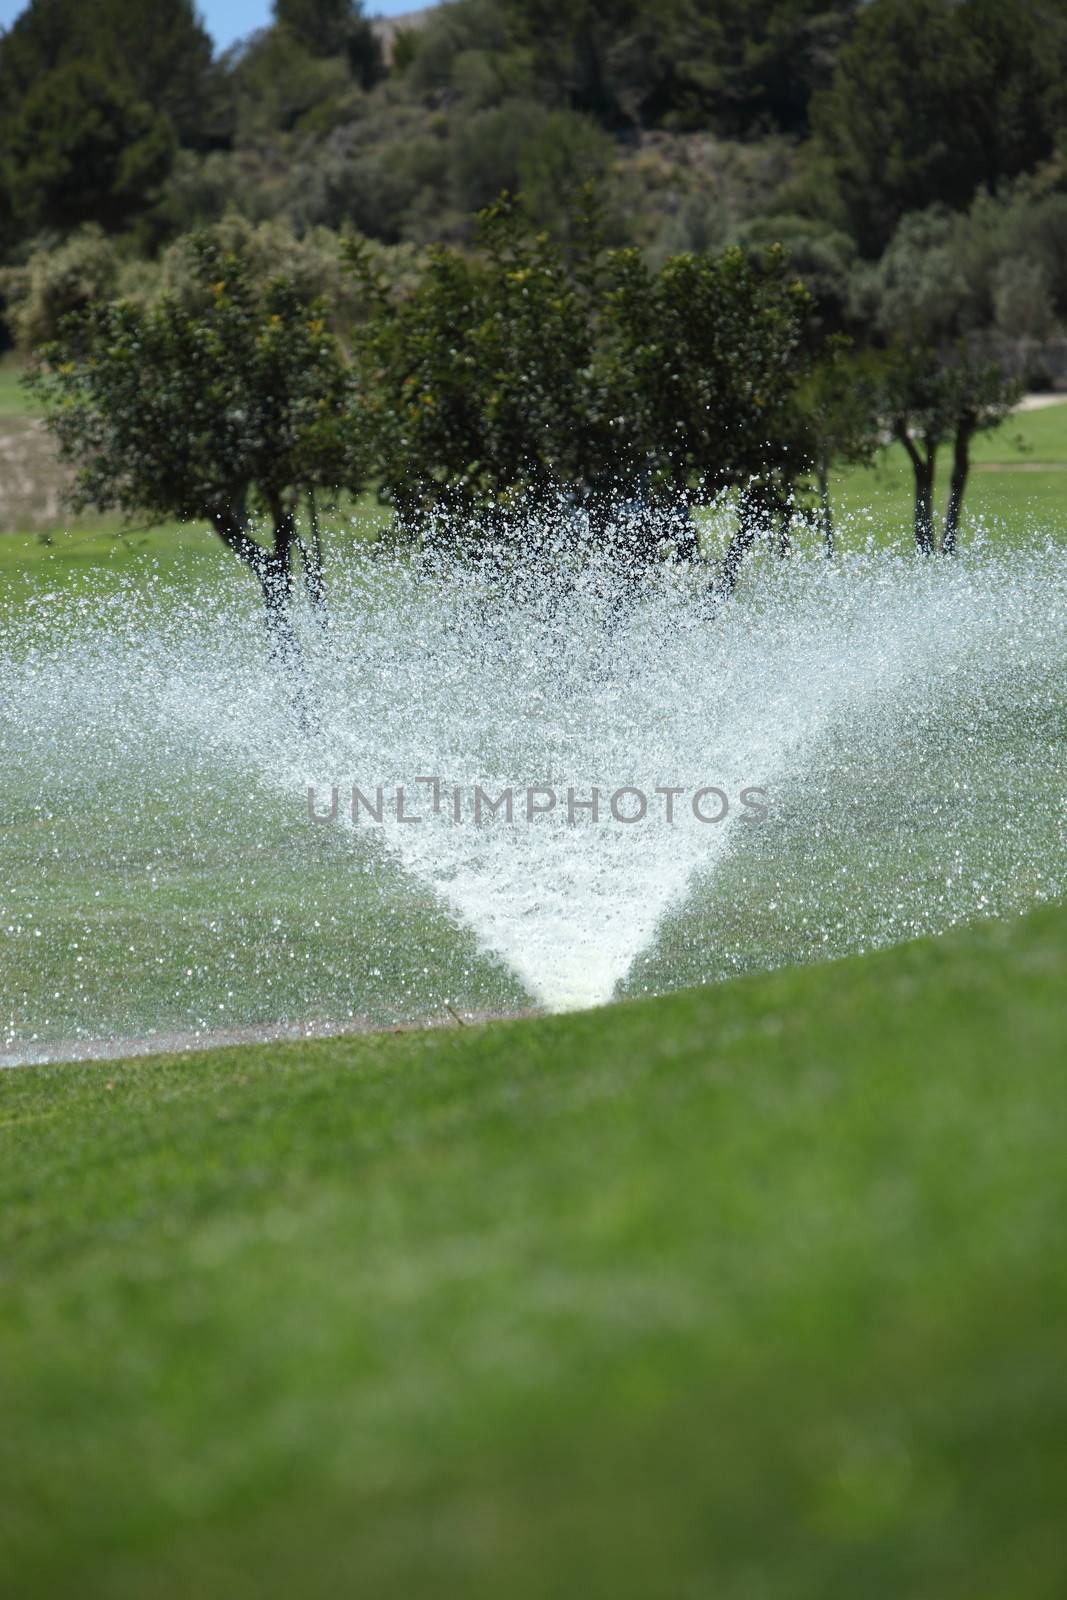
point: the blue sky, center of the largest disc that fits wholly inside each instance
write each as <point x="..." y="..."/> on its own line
<point x="228" y="20"/>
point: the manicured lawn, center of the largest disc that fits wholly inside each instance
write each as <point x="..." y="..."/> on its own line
<point x="1027" y="436"/>
<point x="1009" y="496"/>
<point x="100" y="553"/>
<point x="103" y="552"/>
<point x="754" y="1290"/>
<point x="174" y="913"/>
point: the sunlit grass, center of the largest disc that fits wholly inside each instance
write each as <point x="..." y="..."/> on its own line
<point x="752" y="1290"/>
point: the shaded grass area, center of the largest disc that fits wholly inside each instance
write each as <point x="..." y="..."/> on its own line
<point x="756" y="1290"/>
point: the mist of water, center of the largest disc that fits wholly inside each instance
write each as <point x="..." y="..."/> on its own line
<point x="904" y="719"/>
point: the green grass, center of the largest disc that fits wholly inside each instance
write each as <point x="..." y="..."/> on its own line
<point x="1027" y="436"/>
<point x="1008" y="491"/>
<point x="177" y="914"/>
<point x="104" y="551"/>
<point x="14" y="399"/>
<point x="752" y="1291"/>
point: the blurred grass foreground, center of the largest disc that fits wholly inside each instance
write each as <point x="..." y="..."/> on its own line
<point x="754" y="1290"/>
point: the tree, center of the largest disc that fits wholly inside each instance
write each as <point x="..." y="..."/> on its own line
<point x="538" y="372"/>
<point x="84" y="150"/>
<point x="221" y="405"/>
<point x="478" y="382"/>
<point x="159" y="54"/>
<point x="569" y="153"/>
<point x="765" y="61"/>
<point x="932" y="99"/>
<point x="929" y="402"/>
<point x="333" y="28"/>
<point x="938" y="386"/>
<point x="709" y="350"/>
<point x="822" y="257"/>
<point x="276" y="82"/>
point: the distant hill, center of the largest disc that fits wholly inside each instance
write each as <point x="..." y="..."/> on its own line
<point x="387" y="28"/>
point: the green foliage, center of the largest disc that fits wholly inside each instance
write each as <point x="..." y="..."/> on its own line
<point x="320" y="26"/>
<point x="821" y="256"/>
<point x="569" y="153"/>
<point x="993" y="272"/>
<point x="333" y="28"/>
<point x="205" y="405"/>
<point x="919" y="291"/>
<point x="736" y="65"/>
<point x="838" y="417"/>
<point x="55" y="283"/>
<point x="931" y="99"/>
<point x="160" y="53"/>
<point x="311" y="262"/>
<point x="92" y="101"/>
<point x="691" y="113"/>
<point x="707" y="351"/>
<point x="532" y="371"/>
<point x="276" y="82"/>
<point x="1022" y="301"/>
<point x="487" y="151"/>
<point x="1025" y="222"/>
<point x="479" y="381"/>
<point x="82" y="149"/>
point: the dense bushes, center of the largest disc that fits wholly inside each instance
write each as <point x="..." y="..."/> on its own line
<point x="533" y="372"/>
<point x="820" y="123"/>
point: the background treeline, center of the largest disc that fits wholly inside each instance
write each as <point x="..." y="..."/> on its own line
<point x="908" y="156"/>
<point x="494" y="389"/>
<point x="702" y="120"/>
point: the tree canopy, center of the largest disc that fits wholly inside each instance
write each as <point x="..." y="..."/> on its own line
<point x="932" y="100"/>
<point x="223" y="403"/>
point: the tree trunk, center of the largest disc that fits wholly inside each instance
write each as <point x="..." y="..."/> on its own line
<point x="826" y="514"/>
<point x="961" y="466"/>
<point x="272" y="567"/>
<point x="924" y="509"/>
<point x="923" y="462"/>
<point x="754" y="516"/>
<point x="311" y="555"/>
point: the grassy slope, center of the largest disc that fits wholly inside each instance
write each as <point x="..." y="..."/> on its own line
<point x="753" y="1291"/>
